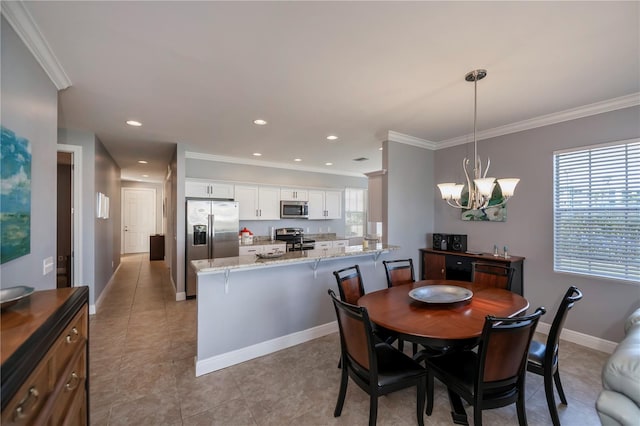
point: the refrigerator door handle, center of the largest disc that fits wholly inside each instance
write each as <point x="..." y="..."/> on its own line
<point x="212" y="234"/>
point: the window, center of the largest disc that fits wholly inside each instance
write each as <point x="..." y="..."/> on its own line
<point x="597" y="210"/>
<point x="354" y="212"/>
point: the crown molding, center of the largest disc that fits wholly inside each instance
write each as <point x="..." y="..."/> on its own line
<point x="410" y="140"/>
<point x="546" y="120"/>
<point x="24" y="25"/>
<point x="258" y="163"/>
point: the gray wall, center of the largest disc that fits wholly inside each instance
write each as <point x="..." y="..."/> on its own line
<point x="159" y="188"/>
<point x="407" y="198"/>
<point x="100" y="237"/>
<point x="107" y="231"/>
<point x="529" y="228"/>
<point x="29" y="107"/>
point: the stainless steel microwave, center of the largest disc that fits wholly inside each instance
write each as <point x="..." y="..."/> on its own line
<point x="294" y="209"/>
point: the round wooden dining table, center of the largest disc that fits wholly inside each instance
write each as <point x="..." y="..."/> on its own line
<point x="437" y="325"/>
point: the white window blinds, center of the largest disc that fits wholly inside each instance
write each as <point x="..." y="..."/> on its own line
<point x="597" y="211"/>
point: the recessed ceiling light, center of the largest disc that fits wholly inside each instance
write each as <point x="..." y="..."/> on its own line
<point x="260" y="122"/>
<point x="328" y="164"/>
<point x="145" y="175"/>
<point x="380" y="149"/>
<point x="297" y="159"/>
<point x="142" y="161"/>
<point x="332" y="137"/>
<point x="134" y="123"/>
<point x="256" y="154"/>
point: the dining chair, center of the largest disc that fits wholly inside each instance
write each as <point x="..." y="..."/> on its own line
<point x="491" y="275"/>
<point x="350" y="284"/>
<point x="400" y="272"/>
<point x="543" y="357"/>
<point x="376" y="367"/>
<point x="494" y="376"/>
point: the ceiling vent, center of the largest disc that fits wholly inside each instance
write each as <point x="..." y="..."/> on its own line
<point x="360" y="159"/>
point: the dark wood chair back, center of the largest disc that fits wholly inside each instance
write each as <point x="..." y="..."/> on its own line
<point x="350" y="284"/>
<point x="399" y="271"/>
<point x="491" y="275"/>
<point x="569" y="299"/>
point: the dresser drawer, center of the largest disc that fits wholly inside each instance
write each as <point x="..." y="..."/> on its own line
<point x="72" y="340"/>
<point x="70" y="390"/>
<point x="28" y="402"/>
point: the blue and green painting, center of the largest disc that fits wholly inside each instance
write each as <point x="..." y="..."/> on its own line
<point x="15" y="196"/>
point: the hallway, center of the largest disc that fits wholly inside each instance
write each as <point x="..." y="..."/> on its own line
<point x="142" y="349"/>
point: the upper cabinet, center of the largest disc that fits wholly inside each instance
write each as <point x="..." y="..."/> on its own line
<point x="294" y="194"/>
<point x="325" y="204"/>
<point x="208" y="189"/>
<point x="258" y="202"/>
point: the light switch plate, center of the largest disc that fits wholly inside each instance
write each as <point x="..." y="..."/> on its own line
<point x="47" y="265"/>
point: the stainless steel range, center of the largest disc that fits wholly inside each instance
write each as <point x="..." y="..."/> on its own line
<point x="294" y="237"/>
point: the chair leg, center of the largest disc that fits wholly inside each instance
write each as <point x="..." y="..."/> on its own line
<point x="400" y="345"/>
<point x="551" y="402"/>
<point x="429" y="393"/>
<point x="415" y="348"/>
<point x="556" y="378"/>
<point x="421" y="389"/>
<point x="522" y="413"/>
<point x="343" y="392"/>
<point x="477" y="416"/>
<point x="373" y="409"/>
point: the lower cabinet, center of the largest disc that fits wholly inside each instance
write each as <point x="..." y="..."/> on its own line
<point x="446" y="265"/>
<point x="261" y="248"/>
<point x="46" y="367"/>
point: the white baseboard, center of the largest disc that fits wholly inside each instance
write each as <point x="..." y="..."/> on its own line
<point x="94" y="308"/>
<point x="228" y="359"/>
<point x="580" y="338"/>
<point x="181" y="296"/>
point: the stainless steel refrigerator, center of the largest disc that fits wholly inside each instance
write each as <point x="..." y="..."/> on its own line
<point x="212" y="232"/>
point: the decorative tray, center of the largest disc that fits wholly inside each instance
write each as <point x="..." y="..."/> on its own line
<point x="271" y="255"/>
<point x="12" y="295"/>
<point x="441" y="294"/>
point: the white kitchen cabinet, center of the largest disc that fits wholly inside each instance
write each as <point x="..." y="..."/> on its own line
<point x="262" y="248"/>
<point x="258" y="202"/>
<point x="208" y="189"/>
<point x="294" y="194"/>
<point x="325" y="204"/>
<point x="340" y="243"/>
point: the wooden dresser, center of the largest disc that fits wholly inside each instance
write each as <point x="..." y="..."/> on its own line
<point x="449" y="265"/>
<point x="45" y="359"/>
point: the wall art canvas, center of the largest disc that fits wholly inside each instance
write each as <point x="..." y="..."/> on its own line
<point x="15" y="196"/>
<point x="494" y="212"/>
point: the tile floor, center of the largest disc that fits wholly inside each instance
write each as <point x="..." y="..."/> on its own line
<point x="142" y="372"/>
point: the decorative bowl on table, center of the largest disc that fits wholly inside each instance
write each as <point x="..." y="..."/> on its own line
<point x="441" y="294"/>
<point x="12" y="295"/>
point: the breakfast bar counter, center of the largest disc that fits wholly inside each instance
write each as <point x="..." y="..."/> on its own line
<point x="249" y="307"/>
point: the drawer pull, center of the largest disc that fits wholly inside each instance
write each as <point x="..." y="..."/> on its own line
<point x="73" y="336"/>
<point x="73" y="382"/>
<point x="27" y="404"/>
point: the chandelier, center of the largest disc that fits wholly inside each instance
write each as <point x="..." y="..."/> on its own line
<point x="481" y="191"/>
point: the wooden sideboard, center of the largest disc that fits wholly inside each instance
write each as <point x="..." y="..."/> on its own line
<point x="449" y="265"/>
<point x="45" y="359"/>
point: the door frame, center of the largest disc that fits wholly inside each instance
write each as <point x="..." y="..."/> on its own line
<point x="122" y="204"/>
<point x="76" y="216"/>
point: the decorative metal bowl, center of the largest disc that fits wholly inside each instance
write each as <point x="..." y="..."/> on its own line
<point x="441" y="294"/>
<point x="12" y="295"/>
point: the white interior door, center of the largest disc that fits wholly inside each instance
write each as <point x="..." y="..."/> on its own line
<point x="138" y="218"/>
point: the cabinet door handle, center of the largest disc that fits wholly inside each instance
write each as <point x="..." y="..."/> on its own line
<point x="28" y="403"/>
<point x="72" y="383"/>
<point x="73" y="336"/>
<point x="442" y="271"/>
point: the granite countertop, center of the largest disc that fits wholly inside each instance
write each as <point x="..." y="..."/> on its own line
<point x="204" y="266"/>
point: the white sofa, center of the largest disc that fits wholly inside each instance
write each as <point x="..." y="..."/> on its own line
<point x="619" y="401"/>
